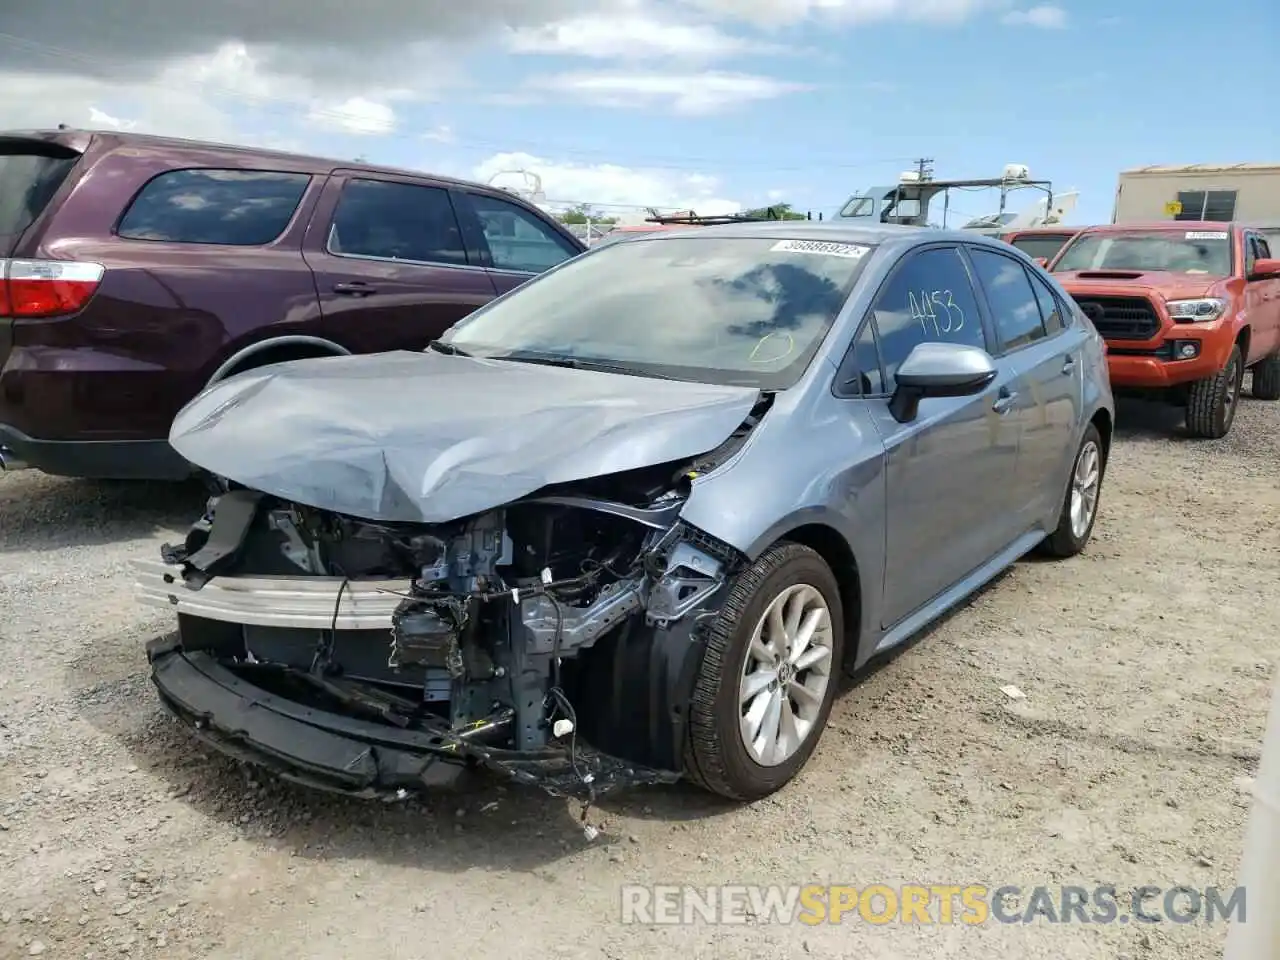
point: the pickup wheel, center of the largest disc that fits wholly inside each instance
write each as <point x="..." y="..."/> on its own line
<point x="1266" y="378"/>
<point x="768" y="676"/>
<point x="1211" y="402"/>
<point x="1080" y="508"/>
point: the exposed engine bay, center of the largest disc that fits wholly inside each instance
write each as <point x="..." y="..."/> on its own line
<point x="551" y="639"/>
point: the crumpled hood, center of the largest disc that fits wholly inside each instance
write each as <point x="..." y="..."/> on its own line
<point x="425" y="437"/>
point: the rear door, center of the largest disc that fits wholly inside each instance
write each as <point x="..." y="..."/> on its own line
<point x="392" y="269"/>
<point x="1048" y="389"/>
<point x="516" y="242"/>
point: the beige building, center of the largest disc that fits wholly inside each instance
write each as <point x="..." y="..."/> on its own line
<point x="1245" y="192"/>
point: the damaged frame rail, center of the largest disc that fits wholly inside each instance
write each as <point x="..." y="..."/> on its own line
<point x="503" y="705"/>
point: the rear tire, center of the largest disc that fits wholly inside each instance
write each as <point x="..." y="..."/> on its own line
<point x="1266" y="378"/>
<point x="743" y="651"/>
<point x="1212" y="402"/>
<point x="1084" y="494"/>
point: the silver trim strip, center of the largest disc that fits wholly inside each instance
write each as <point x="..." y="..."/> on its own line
<point x="301" y="602"/>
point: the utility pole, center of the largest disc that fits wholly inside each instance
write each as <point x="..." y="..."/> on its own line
<point x="924" y="167"/>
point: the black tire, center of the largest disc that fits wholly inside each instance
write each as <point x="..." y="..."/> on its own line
<point x="1266" y="378"/>
<point x="1064" y="542"/>
<point x="1212" y="402"/>
<point x="715" y="756"/>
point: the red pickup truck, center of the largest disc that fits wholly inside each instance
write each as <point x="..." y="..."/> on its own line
<point x="1185" y="308"/>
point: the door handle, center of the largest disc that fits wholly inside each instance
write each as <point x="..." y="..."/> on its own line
<point x="1068" y="365"/>
<point x="356" y="288"/>
<point x="1004" y="403"/>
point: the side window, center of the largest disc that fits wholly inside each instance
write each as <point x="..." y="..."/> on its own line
<point x="929" y="297"/>
<point x="242" y="208"/>
<point x="396" y="221"/>
<point x="1250" y="253"/>
<point x="1264" y="248"/>
<point x="862" y="364"/>
<point x="517" y="239"/>
<point x="1014" y="306"/>
<point x="1050" y="308"/>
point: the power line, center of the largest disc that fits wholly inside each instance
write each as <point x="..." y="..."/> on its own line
<point x="683" y="163"/>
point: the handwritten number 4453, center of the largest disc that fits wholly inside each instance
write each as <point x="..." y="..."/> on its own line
<point x="937" y="312"/>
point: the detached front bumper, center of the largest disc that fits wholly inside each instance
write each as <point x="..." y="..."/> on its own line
<point x="361" y="758"/>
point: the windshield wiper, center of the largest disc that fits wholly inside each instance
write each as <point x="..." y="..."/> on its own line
<point x="440" y="346"/>
<point x="584" y="363"/>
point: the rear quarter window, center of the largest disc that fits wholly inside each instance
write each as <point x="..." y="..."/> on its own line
<point x="241" y="208"/>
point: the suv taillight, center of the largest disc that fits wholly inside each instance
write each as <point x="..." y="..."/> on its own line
<point x="46" y="288"/>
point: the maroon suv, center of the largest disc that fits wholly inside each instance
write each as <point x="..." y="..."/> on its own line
<point x="136" y="270"/>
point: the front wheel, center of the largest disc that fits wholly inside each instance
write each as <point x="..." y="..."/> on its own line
<point x="1211" y="402"/>
<point x="1080" y="508"/>
<point x="768" y="675"/>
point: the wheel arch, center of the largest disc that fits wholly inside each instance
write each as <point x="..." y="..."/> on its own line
<point x="836" y="551"/>
<point x="300" y="345"/>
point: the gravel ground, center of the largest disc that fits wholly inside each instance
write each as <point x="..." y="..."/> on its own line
<point x="1144" y="662"/>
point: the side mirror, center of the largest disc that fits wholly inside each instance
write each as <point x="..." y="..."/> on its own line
<point x="1042" y="262"/>
<point x="1265" y="269"/>
<point x="939" y="370"/>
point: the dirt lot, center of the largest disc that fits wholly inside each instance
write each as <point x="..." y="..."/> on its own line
<point x="1146" y="666"/>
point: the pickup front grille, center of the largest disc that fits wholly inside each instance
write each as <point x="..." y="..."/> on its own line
<point x="1121" y="318"/>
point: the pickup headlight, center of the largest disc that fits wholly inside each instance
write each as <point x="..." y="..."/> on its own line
<point x="1196" y="311"/>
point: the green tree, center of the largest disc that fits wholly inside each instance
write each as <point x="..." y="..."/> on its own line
<point x="584" y="212"/>
<point x="778" y="211"/>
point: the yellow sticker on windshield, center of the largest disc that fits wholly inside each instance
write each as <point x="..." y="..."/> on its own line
<point x="851" y="251"/>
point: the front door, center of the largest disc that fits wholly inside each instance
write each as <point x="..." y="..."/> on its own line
<point x="948" y="470"/>
<point x="1262" y="300"/>
<point x="1028" y="324"/>
<point x="391" y="268"/>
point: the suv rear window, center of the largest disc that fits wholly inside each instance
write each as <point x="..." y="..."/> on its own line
<point x="242" y="208"/>
<point x="1045" y="247"/>
<point x="30" y="175"/>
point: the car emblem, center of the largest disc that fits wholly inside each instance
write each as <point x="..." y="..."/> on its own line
<point x="1094" y="311"/>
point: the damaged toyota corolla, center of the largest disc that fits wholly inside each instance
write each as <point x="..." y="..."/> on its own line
<point x="630" y="521"/>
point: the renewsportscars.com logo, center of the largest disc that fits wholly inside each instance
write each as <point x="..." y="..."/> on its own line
<point x="969" y="904"/>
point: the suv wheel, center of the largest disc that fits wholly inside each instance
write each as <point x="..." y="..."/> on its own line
<point x="1266" y="378"/>
<point x="768" y="676"/>
<point x="1211" y="402"/>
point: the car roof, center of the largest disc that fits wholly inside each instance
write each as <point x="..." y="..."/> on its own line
<point x="204" y="151"/>
<point x="830" y="231"/>
<point x="1166" y="226"/>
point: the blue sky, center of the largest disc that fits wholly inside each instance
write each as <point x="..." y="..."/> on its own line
<point x="709" y="102"/>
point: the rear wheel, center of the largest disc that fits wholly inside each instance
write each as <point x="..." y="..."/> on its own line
<point x="1211" y="402"/>
<point x="768" y="676"/>
<point x="1266" y="378"/>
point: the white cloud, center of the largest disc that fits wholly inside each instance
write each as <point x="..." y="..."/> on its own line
<point x="683" y="93"/>
<point x="441" y="134"/>
<point x="355" y="115"/>
<point x="100" y="118"/>
<point x="1045" y="17"/>
<point x="610" y="186"/>
<point x="773" y="13"/>
<point x="631" y="37"/>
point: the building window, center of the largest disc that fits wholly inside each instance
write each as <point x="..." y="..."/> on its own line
<point x="1211" y="205"/>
